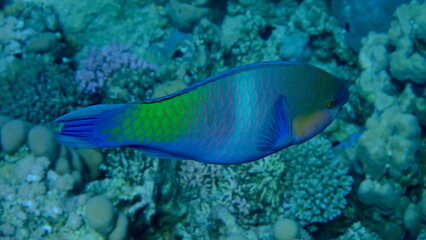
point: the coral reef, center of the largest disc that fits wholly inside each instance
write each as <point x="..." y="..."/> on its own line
<point x="362" y="17"/>
<point x="386" y="155"/>
<point x="40" y="93"/>
<point x="28" y="28"/>
<point x="31" y="39"/>
<point x="184" y="16"/>
<point x="285" y="182"/>
<point x="41" y="185"/>
<point x="104" y="68"/>
<point x="286" y="229"/>
<point x="363" y="178"/>
<point x="358" y="232"/>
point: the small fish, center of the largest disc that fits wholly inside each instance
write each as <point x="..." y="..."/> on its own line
<point x="237" y="116"/>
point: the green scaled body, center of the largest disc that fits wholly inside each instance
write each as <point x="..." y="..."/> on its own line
<point x="238" y="116"/>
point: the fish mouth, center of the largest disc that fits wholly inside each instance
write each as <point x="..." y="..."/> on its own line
<point x="306" y="127"/>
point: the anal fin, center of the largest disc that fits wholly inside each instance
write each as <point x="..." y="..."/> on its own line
<point x="158" y="153"/>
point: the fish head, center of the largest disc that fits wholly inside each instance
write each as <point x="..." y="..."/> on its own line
<point x="321" y="105"/>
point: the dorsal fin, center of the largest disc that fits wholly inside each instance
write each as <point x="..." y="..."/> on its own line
<point x="276" y="132"/>
<point x="219" y="76"/>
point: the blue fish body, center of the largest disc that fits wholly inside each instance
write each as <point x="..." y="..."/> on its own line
<point x="238" y="116"/>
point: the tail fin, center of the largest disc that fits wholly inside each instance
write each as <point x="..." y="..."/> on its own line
<point x="79" y="124"/>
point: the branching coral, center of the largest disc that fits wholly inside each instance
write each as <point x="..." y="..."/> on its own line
<point x="306" y="183"/>
<point x="100" y="64"/>
<point x="316" y="193"/>
<point x="358" y="232"/>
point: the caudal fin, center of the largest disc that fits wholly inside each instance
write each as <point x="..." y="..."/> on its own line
<point x="79" y="124"/>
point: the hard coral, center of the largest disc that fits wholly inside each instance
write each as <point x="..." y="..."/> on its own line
<point x="27" y="28"/>
<point x="38" y="89"/>
<point x="316" y="193"/>
<point x="294" y="182"/>
<point x="358" y="232"/>
<point x="101" y="63"/>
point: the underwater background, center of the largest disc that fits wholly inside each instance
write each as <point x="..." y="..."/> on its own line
<point x="363" y="178"/>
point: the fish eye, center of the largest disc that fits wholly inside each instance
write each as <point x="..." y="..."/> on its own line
<point x="330" y="104"/>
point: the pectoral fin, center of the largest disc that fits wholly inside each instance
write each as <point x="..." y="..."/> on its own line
<point x="276" y="133"/>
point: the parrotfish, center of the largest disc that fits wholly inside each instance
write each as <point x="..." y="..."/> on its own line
<point x="237" y="116"/>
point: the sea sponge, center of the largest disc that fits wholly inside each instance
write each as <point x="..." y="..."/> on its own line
<point x="185" y="16"/>
<point x="92" y="160"/>
<point x="286" y="229"/>
<point x="100" y="214"/>
<point x="120" y="230"/>
<point x="366" y="192"/>
<point x="384" y="194"/>
<point x="412" y="220"/>
<point x="42" y="142"/>
<point x="42" y="43"/>
<point x="75" y="160"/>
<point x="406" y="125"/>
<point x="370" y="152"/>
<point x="3" y="120"/>
<point x="389" y="144"/>
<point x="373" y="54"/>
<point x="62" y="166"/>
<point x="13" y="135"/>
<point x="383" y="101"/>
<point x="370" y="83"/>
<point x="403" y="67"/>
<point x="402" y="152"/>
<point x="7" y="229"/>
<point x="295" y="48"/>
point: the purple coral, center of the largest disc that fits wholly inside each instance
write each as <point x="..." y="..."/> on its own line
<point x="102" y="62"/>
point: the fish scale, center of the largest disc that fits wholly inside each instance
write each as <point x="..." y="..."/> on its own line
<point x="169" y="120"/>
<point x="238" y="116"/>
